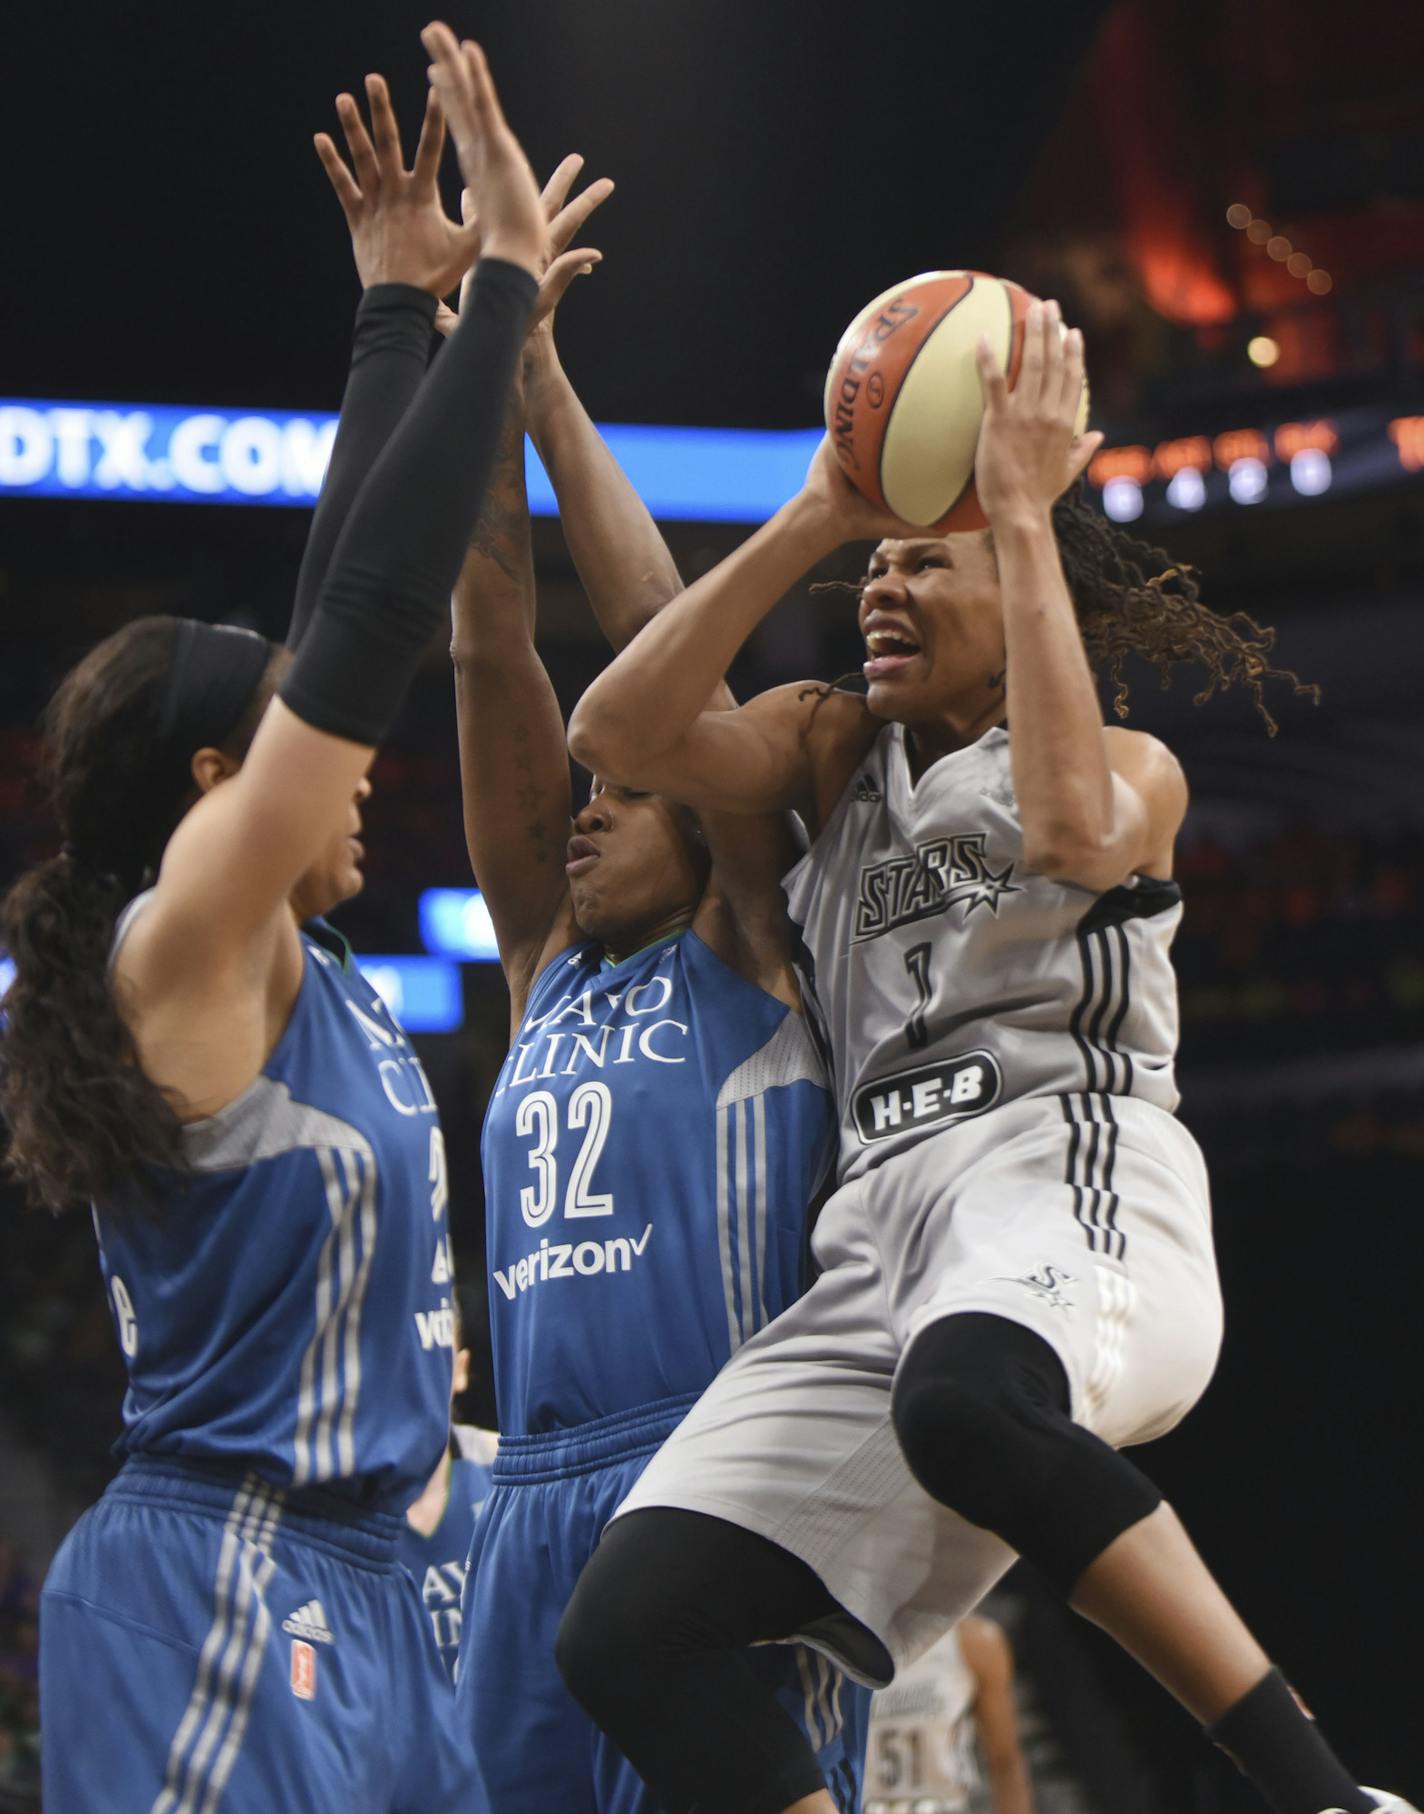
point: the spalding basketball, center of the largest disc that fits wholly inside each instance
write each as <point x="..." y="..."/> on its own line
<point x="903" y="398"/>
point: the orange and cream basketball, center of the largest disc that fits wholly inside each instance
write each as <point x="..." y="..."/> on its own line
<point x="903" y="399"/>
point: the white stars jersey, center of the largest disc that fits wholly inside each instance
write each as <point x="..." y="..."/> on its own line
<point x="949" y="979"/>
<point x="922" y="1757"/>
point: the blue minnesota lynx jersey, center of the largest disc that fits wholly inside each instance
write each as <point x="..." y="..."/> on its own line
<point x="288" y="1306"/>
<point x="656" y="1133"/>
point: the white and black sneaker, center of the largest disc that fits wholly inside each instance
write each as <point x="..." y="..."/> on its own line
<point x="1390" y="1804"/>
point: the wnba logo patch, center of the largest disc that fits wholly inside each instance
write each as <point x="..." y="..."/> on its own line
<point x="303" y="1670"/>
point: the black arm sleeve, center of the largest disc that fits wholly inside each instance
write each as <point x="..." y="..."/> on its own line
<point x="397" y="559"/>
<point x="390" y="349"/>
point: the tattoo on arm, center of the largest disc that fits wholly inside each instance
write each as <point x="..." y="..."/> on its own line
<point x="527" y="793"/>
<point x="501" y="534"/>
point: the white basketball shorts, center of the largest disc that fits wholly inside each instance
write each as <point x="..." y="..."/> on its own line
<point x="1086" y="1218"/>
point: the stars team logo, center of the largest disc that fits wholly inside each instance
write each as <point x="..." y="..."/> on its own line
<point x="1047" y="1283"/>
<point x="948" y="872"/>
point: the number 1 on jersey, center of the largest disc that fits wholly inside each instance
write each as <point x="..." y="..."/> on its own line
<point x="917" y="962"/>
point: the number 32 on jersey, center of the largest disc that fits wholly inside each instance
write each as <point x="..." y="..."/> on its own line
<point x="590" y="1110"/>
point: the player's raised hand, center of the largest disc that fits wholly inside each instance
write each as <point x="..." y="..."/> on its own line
<point x="854" y="518"/>
<point x="400" y="232"/>
<point x="492" y="162"/>
<point x="1029" y="452"/>
<point x="560" y="263"/>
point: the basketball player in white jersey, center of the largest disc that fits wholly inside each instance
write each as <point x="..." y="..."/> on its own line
<point x="940" y="1718"/>
<point x="1017" y="1270"/>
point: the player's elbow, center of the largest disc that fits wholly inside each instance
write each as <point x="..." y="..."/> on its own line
<point x="599" y="737"/>
<point x="1064" y="850"/>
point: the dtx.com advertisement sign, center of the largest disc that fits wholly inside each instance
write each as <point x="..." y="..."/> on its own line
<point x="209" y="456"/>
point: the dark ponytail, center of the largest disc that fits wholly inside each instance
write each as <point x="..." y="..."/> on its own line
<point x="82" y="1116"/>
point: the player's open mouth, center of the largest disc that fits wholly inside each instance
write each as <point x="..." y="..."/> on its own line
<point x="889" y="651"/>
<point x="582" y="854"/>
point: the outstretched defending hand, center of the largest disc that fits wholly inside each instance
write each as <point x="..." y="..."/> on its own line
<point x="559" y="265"/>
<point x="400" y="232"/>
<point x="1028" y="453"/>
<point x="492" y="162"/>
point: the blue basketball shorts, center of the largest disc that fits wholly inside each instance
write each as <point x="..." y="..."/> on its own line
<point x="538" y="1751"/>
<point x="210" y="1642"/>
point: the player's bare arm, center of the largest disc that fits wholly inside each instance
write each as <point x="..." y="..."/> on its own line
<point x="986" y="1651"/>
<point x="1095" y="809"/>
<point x="514" y="771"/>
<point x="628" y="574"/>
<point x="644" y="720"/>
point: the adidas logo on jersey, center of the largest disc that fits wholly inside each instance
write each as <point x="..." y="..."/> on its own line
<point x="867" y="791"/>
<point x="309" y="1622"/>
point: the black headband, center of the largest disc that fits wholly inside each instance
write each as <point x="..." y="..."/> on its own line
<point x="216" y="671"/>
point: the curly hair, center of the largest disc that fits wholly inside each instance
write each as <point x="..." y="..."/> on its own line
<point x="82" y="1116"/>
<point x="1121" y="611"/>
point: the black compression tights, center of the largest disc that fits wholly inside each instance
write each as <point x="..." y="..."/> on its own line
<point x="654" y="1641"/>
<point x="654" y="1646"/>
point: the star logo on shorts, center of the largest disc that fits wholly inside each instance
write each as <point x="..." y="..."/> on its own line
<point x="1047" y="1283"/>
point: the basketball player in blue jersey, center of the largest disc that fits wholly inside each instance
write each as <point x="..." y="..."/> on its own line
<point x="435" y="1542"/>
<point x="230" y="1626"/>
<point x="654" y="1138"/>
<point x="1017" y="1268"/>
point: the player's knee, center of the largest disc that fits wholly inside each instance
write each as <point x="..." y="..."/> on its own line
<point x="981" y="1408"/>
<point x="598" y="1631"/>
<point x="954" y="1440"/>
<point x="616" y="1618"/>
<point x="976" y="1406"/>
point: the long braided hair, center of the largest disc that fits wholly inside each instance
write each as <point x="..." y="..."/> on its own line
<point x="1122" y="611"/>
<point x="1131" y="598"/>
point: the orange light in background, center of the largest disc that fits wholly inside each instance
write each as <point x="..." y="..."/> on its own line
<point x="1298" y="264"/>
<point x="1238" y="215"/>
<point x="1238" y="444"/>
<point x="1262" y="350"/>
<point x="1278" y="247"/>
<point x="1302" y="437"/>
<point x="1171" y="457"/>
<point x="1131" y="462"/>
<point x="1259" y="231"/>
<point x="1319" y="282"/>
<point x="1407" y="433"/>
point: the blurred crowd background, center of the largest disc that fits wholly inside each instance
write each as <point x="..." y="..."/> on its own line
<point x="1230" y="200"/>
